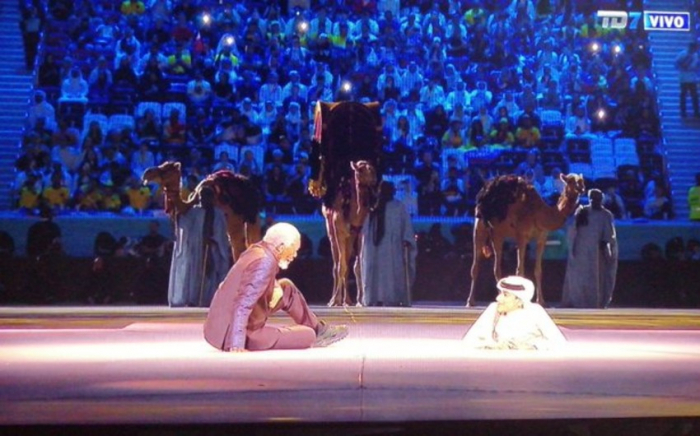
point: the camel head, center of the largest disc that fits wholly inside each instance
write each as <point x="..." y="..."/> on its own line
<point x="365" y="182"/>
<point x="209" y="182"/>
<point x="575" y="187"/>
<point x="365" y="174"/>
<point x="167" y="174"/>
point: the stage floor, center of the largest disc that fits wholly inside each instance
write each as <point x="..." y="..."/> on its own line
<point x="150" y="365"/>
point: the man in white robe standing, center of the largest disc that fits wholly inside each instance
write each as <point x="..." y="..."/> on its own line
<point x="388" y="252"/>
<point x="591" y="268"/>
<point x="201" y="256"/>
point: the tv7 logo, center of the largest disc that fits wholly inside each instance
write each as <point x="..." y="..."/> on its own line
<point x="619" y="19"/>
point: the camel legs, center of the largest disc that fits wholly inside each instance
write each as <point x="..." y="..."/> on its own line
<point x="358" y="272"/>
<point x="333" y="240"/>
<point x="345" y="267"/>
<point x="346" y="248"/>
<point x="541" y="243"/>
<point x="480" y="239"/>
<point x="338" y="256"/>
<point x="522" y="252"/>
<point x="235" y="227"/>
<point x="497" y="244"/>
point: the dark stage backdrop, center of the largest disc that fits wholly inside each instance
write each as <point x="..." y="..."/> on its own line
<point x="440" y="280"/>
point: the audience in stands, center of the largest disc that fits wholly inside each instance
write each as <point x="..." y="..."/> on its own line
<point x="657" y="205"/>
<point x="613" y="202"/>
<point x="694" y="199"/>
<point x="41" y="109"/>
<point x="479" y="79"/>
<point x="687" y="63"/>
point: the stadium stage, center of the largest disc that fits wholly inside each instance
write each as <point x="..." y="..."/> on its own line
<point x="150" y="365"/>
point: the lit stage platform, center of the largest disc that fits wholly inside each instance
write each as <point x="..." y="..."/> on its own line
<point x="150" y="365"/>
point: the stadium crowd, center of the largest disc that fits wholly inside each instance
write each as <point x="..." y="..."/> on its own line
<point x="469" y="89"/>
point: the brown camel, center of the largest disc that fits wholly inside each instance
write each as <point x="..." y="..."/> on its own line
<point x="237" y="197"/>
<point x="344" y="220"/>
<point x="509" y="207"/>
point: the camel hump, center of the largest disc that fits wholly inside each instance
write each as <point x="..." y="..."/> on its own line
<point x="239" y="193"/>
<point x="494" y="199"/>
<point x="345" y="132"/>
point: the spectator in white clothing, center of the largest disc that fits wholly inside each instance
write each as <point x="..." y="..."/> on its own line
<point x="294" y="79"/>
<point x="153" y="52"/>
<point x="481" y="96"/>
<point x="412" y="81"/>
<point x="459" y="96"/>
<point x="142" y="159"/>
<point x="578" y="124"/>
<point x="406" y="195"/>
<point x="553" y="186"/>
<point x="271" y="91"/>
<point x="74" y="88"/>
<point x="507" y="101"/>
<point x="224" y="163"/>
<point x="432" y="94"/>
<point x="41" y="109"/>
<point x="199" y="90"/>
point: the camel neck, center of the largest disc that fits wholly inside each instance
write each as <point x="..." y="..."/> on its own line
<point x="567" y="204"/>
<point x="554" y="217"/>
<point x="360" y="199"/>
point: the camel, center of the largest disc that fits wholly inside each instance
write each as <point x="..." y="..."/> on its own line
<point x="346" y="150"/>
<point x="237" y="197"/>
<point x="344" y="219"/>
<point x="509" y="207"/>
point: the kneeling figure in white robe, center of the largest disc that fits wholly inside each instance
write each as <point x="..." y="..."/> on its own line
<point x="513" y="322"/>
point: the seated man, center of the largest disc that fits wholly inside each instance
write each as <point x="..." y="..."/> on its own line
<point x="513" y="322"/>
<point x="250" y="293"/>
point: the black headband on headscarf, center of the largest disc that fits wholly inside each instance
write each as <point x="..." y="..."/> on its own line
<point x="509" y="287"/>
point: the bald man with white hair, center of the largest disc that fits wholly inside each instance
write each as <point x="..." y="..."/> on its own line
<point x="250" y="293"/>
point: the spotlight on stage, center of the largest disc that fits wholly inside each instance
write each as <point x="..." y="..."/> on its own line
<point x="617" y="49"/>
<point x="206" y="19"/>
<point x="303" y="26"/>
<point x="229" y="40"/>
<point x="595" y="47"/>
<point x="600" y="114"/>
<point x="346" y="86"/>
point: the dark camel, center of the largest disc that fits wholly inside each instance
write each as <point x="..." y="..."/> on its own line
<point x="344" y="220"/>
<point x="235" y="195"/>
<point x="345" y="163"/>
